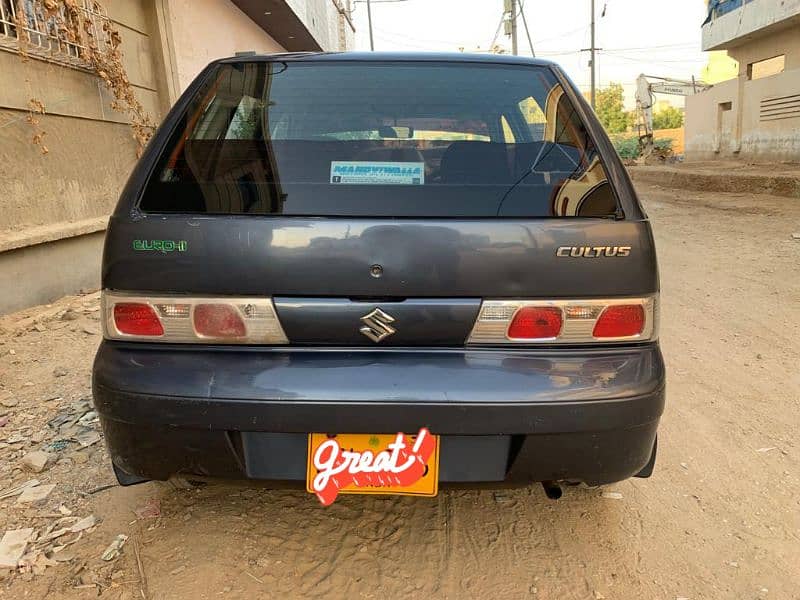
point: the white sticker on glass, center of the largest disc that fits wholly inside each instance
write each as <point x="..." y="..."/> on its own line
<point x="377" y="173"/>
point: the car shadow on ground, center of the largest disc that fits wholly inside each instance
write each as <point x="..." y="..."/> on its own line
<point x="235" y="537"/>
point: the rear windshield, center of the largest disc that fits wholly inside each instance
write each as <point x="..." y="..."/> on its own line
<point x="395" y="139"/>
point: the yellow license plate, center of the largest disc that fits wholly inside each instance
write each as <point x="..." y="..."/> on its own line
<point x="426" y="485"/>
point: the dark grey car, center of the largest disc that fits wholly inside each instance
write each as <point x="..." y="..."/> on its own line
<point x="343" y="244"/>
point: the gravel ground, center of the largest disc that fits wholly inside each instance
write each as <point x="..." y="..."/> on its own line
<point x="720" y="518"/>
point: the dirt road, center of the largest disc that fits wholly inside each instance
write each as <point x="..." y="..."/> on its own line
<point x="720" y="518"/>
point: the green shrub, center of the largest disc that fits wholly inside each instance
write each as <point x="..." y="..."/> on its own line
<point x="628" y="147"/>
<point x="668" y="118"/>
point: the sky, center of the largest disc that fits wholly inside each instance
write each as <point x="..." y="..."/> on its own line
<point x="655" y="37"/>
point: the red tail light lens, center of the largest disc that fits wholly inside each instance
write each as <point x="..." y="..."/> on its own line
<point x="218" y="321"/>
<point x="536" y="322"/>
<point x="623" y="320"/>
<point x="566" y="321"/>
<point x="185" y="319"/>
<point x="134" y="318"/>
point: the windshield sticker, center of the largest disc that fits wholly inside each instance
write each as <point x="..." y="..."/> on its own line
<point x="377" y="173"/>
<point x="162" y="246"/>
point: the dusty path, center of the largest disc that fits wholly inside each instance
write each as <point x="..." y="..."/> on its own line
<point x="719" y="519"/>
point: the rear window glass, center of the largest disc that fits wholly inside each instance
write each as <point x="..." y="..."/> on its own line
<point x="398" y="139"/>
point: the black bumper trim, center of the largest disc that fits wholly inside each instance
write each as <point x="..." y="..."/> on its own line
<point x="378" y="417"/>
<point x="589" y="415"/>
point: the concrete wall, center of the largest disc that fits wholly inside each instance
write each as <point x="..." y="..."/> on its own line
<point x="753" y="20"/>
<point x="744" y="132"/>
<point x="41" y="273"/>
<point x="54" y="207"/>
<point x="323" y="20"/>
<point x="784" y="41"/>
<point x="203" y="30"/>
<point x="708" y="129"/>
<point x="91" y="150"/>
<point x="754" y="128"/>
<point x="772" y="138"/>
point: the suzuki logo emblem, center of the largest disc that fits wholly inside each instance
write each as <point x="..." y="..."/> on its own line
<point x="377" y="325"/>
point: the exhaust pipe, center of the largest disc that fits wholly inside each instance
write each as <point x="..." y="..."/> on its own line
<point x="552" y="490"/>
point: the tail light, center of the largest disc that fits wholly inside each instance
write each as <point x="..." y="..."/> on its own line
<point x="137" y="318"/>
<point x="623" y="320"/>
<point x="566" y="321"/>
<point x="218" y="321"/>
<point x="191" y="320"/>
<point x="536" y="323"/>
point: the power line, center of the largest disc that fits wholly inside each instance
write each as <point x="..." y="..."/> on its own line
<point x="525" y="23"/>
<point x="559" y="52"/>
<point x="369" y="15"/>
<point x="611" y="51"/>
<point x="655" y="62"/>
<point x="497" y="31"/>
<point x="402" y="40"/>
<point x="662" y="47"/>
<point x="565" y="34"/>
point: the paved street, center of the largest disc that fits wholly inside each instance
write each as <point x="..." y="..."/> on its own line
<point x="720" y="518"/>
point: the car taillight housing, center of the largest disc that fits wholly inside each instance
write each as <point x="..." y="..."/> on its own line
<point x="137" y="318"/>
<point x="622" y="320"/>
<point x="546" y="322"/>
<point x="536" y="323"/>
<point x="199" y="320"/>
<point x="218" y="321"/>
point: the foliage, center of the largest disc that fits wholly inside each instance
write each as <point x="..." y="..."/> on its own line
<point x="609" y="108"/>
<point x="103" y="57"/>
<point x="630" y="119"/>
<point x="668" y="117"/>
<point x="35" y="107"/>
<point x="628" y="146"/>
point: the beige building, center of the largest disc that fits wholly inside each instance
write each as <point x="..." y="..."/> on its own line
<point x="54" y="206"/>
<point x="755" y="116"/>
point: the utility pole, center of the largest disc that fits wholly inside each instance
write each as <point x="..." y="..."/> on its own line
<point x="514" y="48"/>
<point x="510" y="9"/>
<point x="591" y="59"/>
<point x="369" y="18"/>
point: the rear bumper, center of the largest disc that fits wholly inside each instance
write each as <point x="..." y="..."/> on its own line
<point x="588" y="415"/>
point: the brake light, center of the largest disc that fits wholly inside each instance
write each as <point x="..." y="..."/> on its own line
<point x="136" y="318"/>
<point x="181" y="319"/>
<point x="218" y="321"/>
<point x="623" y="320"/>
<point x="536" y="323"/>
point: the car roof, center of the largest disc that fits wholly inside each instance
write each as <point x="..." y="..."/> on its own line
<point x="460" y="57"/>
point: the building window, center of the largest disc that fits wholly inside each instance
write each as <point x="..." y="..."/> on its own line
<point x="766" y="67"/>
<point x="50" y="36"/>
<point x="718" y="8"/>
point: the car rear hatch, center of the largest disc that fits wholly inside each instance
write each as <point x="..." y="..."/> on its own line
<point x="380" y="203"/>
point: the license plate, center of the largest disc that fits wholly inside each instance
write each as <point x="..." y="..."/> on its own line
<point x="371" y="451"/>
